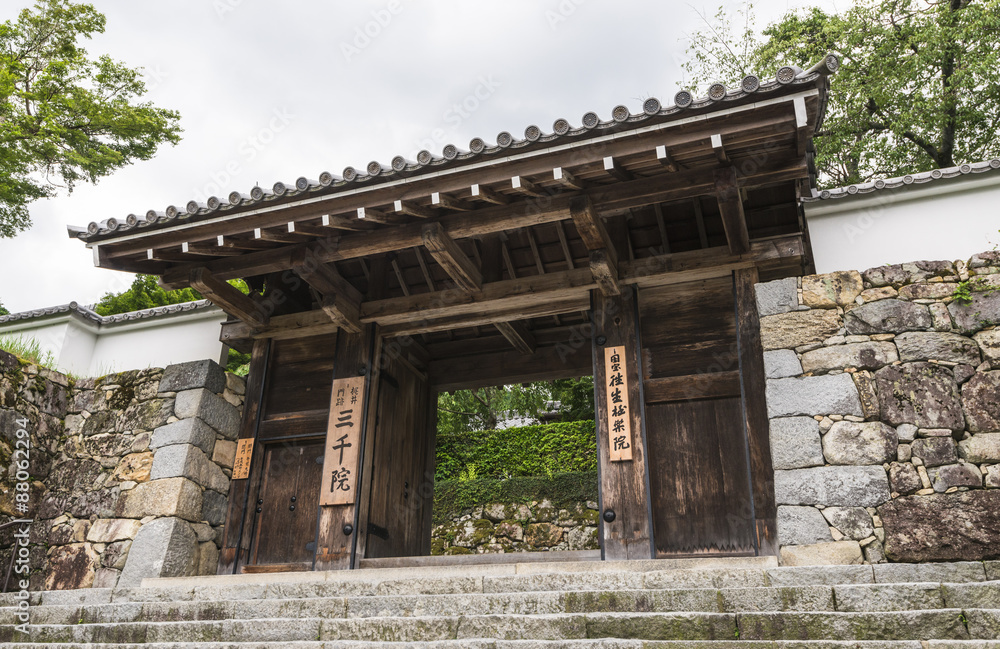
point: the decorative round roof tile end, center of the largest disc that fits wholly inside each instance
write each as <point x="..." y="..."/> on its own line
<point x="235" y="198"/>
<point x="172" y="212"/>
<point x="995" y="163"/>
<point x="74" y="305"/>
<point x="907" y="179"/>
<point x="450" y="152"/>
<point x="111" y="224"/>
<point x="532" y="133"/>
<point x="93" y="228"/>
<point x="825" y="193"/>
<point x="192" y="207"/>
<point x="257" y="193"/>
<point x="786" y="74"/>
<point x="879" y="184"/>
<point x="651" y="106"/>
<point x="750" y="83"/>
<point x="683" y="99"/>
<point x="152" y="216"/>
<point x="424" y="157"/>
<point x="853" y="189"/>
<point x="936" y="174"/>
<point x="716" y="91"/>
<point x="504" y="139"/>
<point x="279" y="188"/>
<point x="374" y="168"/>
<point x="477" y="145"/>
<point x="132" y="220"/>
<point x="398" y="163"/>
<point x="213" y="203"/>
<point x="560" y="126"/>
<point x="832" y="62"/>
<point x="620" y="113"/>
<point x="590" y="120"/>
<point x="302" y="183"/>
<point x="326" y="179"/>
<point x="965" y="169"/>
<point x="350" y="174"/>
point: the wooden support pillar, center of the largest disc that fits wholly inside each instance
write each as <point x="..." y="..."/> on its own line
<point x="626" y="529"/>
<point x="337" y="533"/>
<point x="603" y="255"/>
<point x="751" y="353"/>
<point x="734" y="221"/>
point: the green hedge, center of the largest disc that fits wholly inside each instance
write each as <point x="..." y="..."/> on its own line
<point x="542" y="450"/>
<point x="564" y="490"/>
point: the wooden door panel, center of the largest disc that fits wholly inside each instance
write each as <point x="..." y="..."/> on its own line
<point x="286" y="524"/>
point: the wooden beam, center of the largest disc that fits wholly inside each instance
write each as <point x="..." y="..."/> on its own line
<point x="664" y="158"/>
<point x="450" y="202"/>
<point x="241" y="244"/>
<point x="450" y="256"/>
<point x="312" y="230"/>
<point x="605" y="272"/>
<point x="346" y="223"/>
<point x="400" y="278"/>
<point x="719" y="150"/>
<point x="566" y="179"/>
<point x="615" y="170"/>
<point x="410" y="208"/>
<point x="524" y="186"/>
<point x="662" y="225"/>
<point x="275" y="236"/>
<point x="228" y="298"/>
<point x="500" y="367"/>
<point x="373" y="215"/>
<point x="423" y="269"/>
<point x="591" y="227"/>
<point x="695" y="386"/>
<point x="489" y="195"/>
<point x="341" y="301"/>
<point x="567" y="253"/>
<point x="518" y="334"/>
<point x="208" y="250"/>
<point x="727" y="192"/>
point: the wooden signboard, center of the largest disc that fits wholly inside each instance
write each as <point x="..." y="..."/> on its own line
<point x="343" y="436"/>
<point x="241" y="464"/>
<point x="619" y="416"/>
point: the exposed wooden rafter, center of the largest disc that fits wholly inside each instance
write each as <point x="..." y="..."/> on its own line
<point x="490" y="196"/>
<point x="727" y="192"/>
<point x="565" y="178"/>
<point x="603" y="265"/>
<point x="409" y="208"/>
<point x="615" y="170"/>
<point x="373" y="215"/>
<point x="518" y="334"/>
<point x="449" y="255"/>
<point x="664" y="158"/>
<point x="524" y="186"/>
<point x="228" y="298"/>
<point x="450" y="202"/>
<point x="340" y="300"/>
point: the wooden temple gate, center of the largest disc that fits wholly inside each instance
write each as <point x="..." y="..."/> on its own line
<point x="625" y="249"/>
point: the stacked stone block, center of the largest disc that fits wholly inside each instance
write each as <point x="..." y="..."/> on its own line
<point x="883" y="392"/>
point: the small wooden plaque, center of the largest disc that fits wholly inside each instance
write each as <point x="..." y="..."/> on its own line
<point x="343" y="436"/>
<point x="241" y="465"/>
<point x="619" y="414"/>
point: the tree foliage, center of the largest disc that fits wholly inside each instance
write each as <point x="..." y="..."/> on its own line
<point x="918" y="88"/>
<point x="144" y="293"/>
<point x="65" y="116"/>
<point x="3" y="310"/>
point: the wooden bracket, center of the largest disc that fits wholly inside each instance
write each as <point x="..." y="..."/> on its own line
<point x="615" y="170"/>
<point x="720" y="150"/>
<point x="444" y="200"/>
<point x="450" y="256"/>
<point x="378" y="216"/>
<point x="590" y="226"/>
<point x="518" y="334"/>
<point x="727" y="192"/>
<point x="664" y="158"/>
<point x="228" y="298"/>
<point x="412" y="209"/>
<point x="565" y="178"/>
<point x="274" y="236"/>
<point x="605" y="272"/>
<point x="524" y="186"/>
<point x="341" y="301"/>
<point x="489" y="195"/>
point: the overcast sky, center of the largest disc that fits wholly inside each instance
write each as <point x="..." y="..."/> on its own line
<point x="272" y="91"/>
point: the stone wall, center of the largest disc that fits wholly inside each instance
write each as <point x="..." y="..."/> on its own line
<point x="883" y="392"/>
<point x="532" y="527"/>
<point x="129" y="472"/>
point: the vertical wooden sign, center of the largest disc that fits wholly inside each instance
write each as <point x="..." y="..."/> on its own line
<point x="241" y="463"/>
<point x="343" y="436"/>
<point x="619" y="416"/>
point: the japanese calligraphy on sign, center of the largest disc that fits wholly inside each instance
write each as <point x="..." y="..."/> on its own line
<point x="343" y="436"/>
<point x="241" y="464"/>
<point x="619" y="417"/>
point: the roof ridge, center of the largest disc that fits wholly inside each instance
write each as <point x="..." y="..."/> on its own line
<point x="906" y="179"/>
<point x="89" y="314"/>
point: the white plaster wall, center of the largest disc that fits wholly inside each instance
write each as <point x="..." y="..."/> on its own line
<point x="941" y="220"/>
<point x="50" y="334"/>
<point x="78" y="349"/>
<point x="157" y="342"/>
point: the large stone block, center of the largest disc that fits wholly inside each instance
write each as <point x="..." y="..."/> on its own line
<point x="225" y="453"/>
<point x="944" y="478"/>
<point x="853" y="522"/>
<point x="831" y="289"/>
<point x="980" y="448"/>
<point x="795" y="443"/>
<point x="934" y="451"/>
<point x="981" y="400"/>
<point x="923" y="394"/>
<point x="107" y="444"/>
<point x="802" y="526"/>
<point x="781" y="363"/>
<point x="186" y="431"/>
<point x="210" y="408"/>
<point x="832" y="486"/>
<point x="134" y="467"/>
<point x="813" y="395"/>
<point x="989" y="345"/>
<point x="865" y="356"/>
<point x="108" y="530"/>
<point x="963" y="526"/>
<point x="165" y="547"/>
<point x="836" y="553"/>
<point x="71" y="567"/>
<point x="981" y="312"/>
<point x="144" y="416"/>
<point x="196" y="374"/>
<point x="888" y="316"/>
<point x="779" y="296"/>
<point x="186" y="461"/>
<point x="869" y="442"/>
<point x="904" y="479"/>
<point x="932" y="345"/>
<point x="790" y="330"/>
<point x="168" y="497"/>
<point x="216" y="506"/>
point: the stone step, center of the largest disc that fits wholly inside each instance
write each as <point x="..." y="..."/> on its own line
<point x="941" y="624"/>
<point x="844" y="598"/>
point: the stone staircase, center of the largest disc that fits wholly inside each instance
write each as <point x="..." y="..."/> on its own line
<point x="702" y="604"/>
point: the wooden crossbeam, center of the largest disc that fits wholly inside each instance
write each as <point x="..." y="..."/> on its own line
<point x="228" y="298"/>
<point x="341" y="301"/>
<point x="489" y="195"/>
<point x="208" y="250"/>
<point x="410" y="208"/>
<point x="378" y="216"/>
<point x="567" y="179"/>
<point x="567" y="253"/>
<point x="518" y="334"/>
<point x="450" y="202"/>
<point x="346" y="223"/>
<point x="615" y="170"/>
<point x="167" y="255"/>
<point x="664" y="158"/>
<point x="312" y="230"/>
<point x="524" y="186"/>
<point x="241" y="244"/>
<point x="719" y="149"/>
<point x="734" y="221"/>
<point x="275" y="236"/>
<point x="589" y="225"/>
<point x="449" y="255"/>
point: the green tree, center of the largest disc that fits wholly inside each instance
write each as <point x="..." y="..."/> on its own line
<point x="3" y="310"/>
<point x="575" y="397"/>
<point x="919" y="84"/>
<point x="65" y="116"/>
<point x="144" y="293"/>
<point x="484" y="408"/>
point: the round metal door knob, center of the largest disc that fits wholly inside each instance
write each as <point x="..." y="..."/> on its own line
<point x="348" y="529"/>
<point x="609" y="515"/>
<point x="259" y="510"/>
<point x="601" y="340"/>
<point x="294" y="498"/>
<point x="291" y="508"/>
